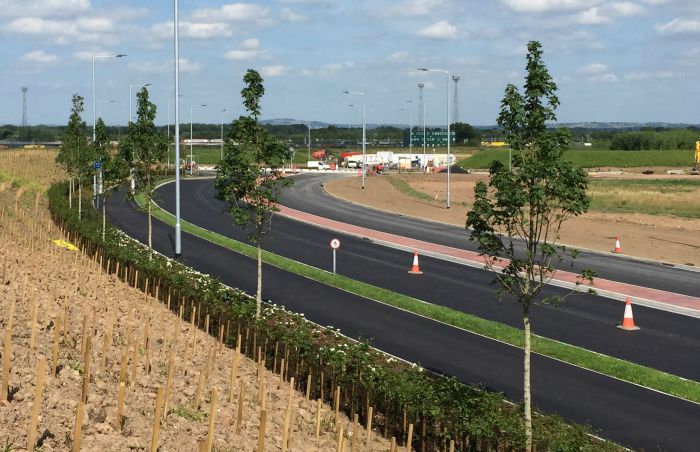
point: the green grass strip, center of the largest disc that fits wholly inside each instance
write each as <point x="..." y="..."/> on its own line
<point x="403" y="186"/>
<point x="607" y="365"/>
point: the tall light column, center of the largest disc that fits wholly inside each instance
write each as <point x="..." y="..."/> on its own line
<point x="94" y="112"/>
<point x="131" y="116"/>
<point x="309" y="141"/>
<point x="425" y="162"/>
<point x="222" y="133"/>
<point x="449" y="139"/>
<point x="176" y="71"/>
<point x="191" y="157"/>
<point x="364" y="158"/>
<point x="410" y="128"/>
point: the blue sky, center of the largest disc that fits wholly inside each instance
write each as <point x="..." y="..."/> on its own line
<point x="624" y="60"/>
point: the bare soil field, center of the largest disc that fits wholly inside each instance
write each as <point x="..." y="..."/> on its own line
<point x="103" y="330"/>
<point x="657" y="237"/>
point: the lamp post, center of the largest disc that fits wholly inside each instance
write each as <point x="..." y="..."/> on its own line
<point x="448" y="127"/>
<point x="364" y="161"/>
<point x="410" y="128"/>
<point x="131" y="116"/>
<point x="425" y="162"/>
<point x="94" y="115"/>
<point x="191" y="158"/>
<point x="176" y="74"/>
<point x="222" y="133"/>
<point x="308" y="139"/>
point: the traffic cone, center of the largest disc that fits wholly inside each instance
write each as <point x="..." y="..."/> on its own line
<point x="415" y="269"/>
<point x="628" y="320"/>
<point x="618" y="249"/>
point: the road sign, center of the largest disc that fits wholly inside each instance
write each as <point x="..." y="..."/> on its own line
<point x="98" y="165"/>
<point x="335" y="244"/>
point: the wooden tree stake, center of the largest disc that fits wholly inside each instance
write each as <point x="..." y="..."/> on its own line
<point x="452" y="445"/>
<point x="318" y="418"/>
<point x="369" y="425"/>
<point x="122" y="366"/>
<point x="393" y="444"/>
<point x="36" y="407"/>
<point x="120" y="404"/>
<point x="261" y="431"/>
<point x="169" y="382"/>
<point x="241" y="400"/>
<point x="409" y="440"/>
<point x="77" y="431"/>
<point x="234" y="373"/>
<point x="56" y="337"/>
<point x="134" y="363"/>
<point x="6" y="357"/>
<point x="340" y="439"/>
<point x="156" y="419"/>
<point x="32" y="337"/>
<point x="336" y="404"/>
<point x="212" y="417"/>
<point x="198" y="392"/>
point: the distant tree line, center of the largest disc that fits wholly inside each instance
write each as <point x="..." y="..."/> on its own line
<point x="655" y="139"/>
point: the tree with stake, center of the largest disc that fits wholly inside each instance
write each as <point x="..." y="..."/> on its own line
<point x="101" y="153"/>
<point x="517" y="217"/>
<point x="74" y="149"/>
<point x="146" y="148"/>
<point x="248" y="178"/>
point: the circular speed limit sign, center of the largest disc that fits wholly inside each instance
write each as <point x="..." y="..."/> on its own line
<point x="335" y="244"/>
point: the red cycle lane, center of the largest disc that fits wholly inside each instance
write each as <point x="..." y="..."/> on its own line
<point x="654" y="298"/>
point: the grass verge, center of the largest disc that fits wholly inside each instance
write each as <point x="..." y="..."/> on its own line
<point x="403" y="186"/>
<point x="652" y="197"/>
<point x="607" y="365"/>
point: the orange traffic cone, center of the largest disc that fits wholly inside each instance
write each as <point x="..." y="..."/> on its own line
<point x="415" y="269"/>
<point x="618" y="249"/>
<point x="628" y="320"/>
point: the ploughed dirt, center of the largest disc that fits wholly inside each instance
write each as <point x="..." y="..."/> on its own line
<point x="663" y="238"/>
<point x="47" y="288"/>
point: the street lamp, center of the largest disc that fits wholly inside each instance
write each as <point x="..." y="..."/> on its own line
<point x="176" y="71"/>
<point x="94" y="115"/>
<point x="99" y="106"/>
<point x="131" y="116"/>
<point x="222" y="133"/>
<point x="410" y="128"/>
<point x="364" y="161"/>
<point x="308" y="139"/>
<point x="191" y="159"/>
<point x="448" y="127"/>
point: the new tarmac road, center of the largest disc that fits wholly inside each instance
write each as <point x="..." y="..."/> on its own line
<point x="629" y="414"/>
<point x="583" y="320"/>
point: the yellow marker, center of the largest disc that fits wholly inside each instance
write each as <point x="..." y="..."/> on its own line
<point x="64" y="244"/>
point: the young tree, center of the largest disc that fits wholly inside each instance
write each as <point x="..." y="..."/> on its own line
<point x="146" y="148"/>
<point x="248" y="178"/>
<point x="74" y="152"/>
<point x="101" y="153"/>
<point x="517" y="217"/>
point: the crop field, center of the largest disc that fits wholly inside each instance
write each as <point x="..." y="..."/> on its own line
<point x="595" y="158"/>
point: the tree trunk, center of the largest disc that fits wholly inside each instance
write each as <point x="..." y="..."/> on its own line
<point x="80" y="200"/>
<point x="527" y="396"/>
<point x="70" y="194"/>
<point x="150" y="231"/>
<point x="104" y="218"/>
<point x="258" y="295"/>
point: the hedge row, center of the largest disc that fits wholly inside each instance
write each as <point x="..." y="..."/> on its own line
<point x="440" y="407"/>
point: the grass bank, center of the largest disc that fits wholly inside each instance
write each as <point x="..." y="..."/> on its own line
<point x="614" y="367"/>
<point x="653" y="197"/>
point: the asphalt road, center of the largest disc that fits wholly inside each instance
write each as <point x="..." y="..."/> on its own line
<point x="308" y="195"/>
<point x="583" y="320"/>
<point x="629" y="414"/>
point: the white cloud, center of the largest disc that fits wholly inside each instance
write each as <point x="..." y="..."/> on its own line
<point x="82" y="29"/>
<point x="399" y="56"/>
<point x="43" y="8"/>
<point x="187" y="66"/>
<point x="274" y="71"/>
<point x="412" y="8"/>
<point x="40" y="57"/>
<point x="604" y="78"/>
<point x="192" y="30"/>
<point x="250" y="49"/>
<point x="658" y="75"/>
<point x="165" y="67"/>
<point x="290" y="16"/>
<point x="678" y="26"/>
<point x="625" y="9"/>
<point x="592" y="16"/>
<point x="439" y="30"/>
<point x="593" y="68"/>
<point x="235" y="12"/>
<point x="539" y="6"/>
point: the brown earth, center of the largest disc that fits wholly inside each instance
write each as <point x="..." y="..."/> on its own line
<point x="44" y="281"/>
<point x="663" y="238"/>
